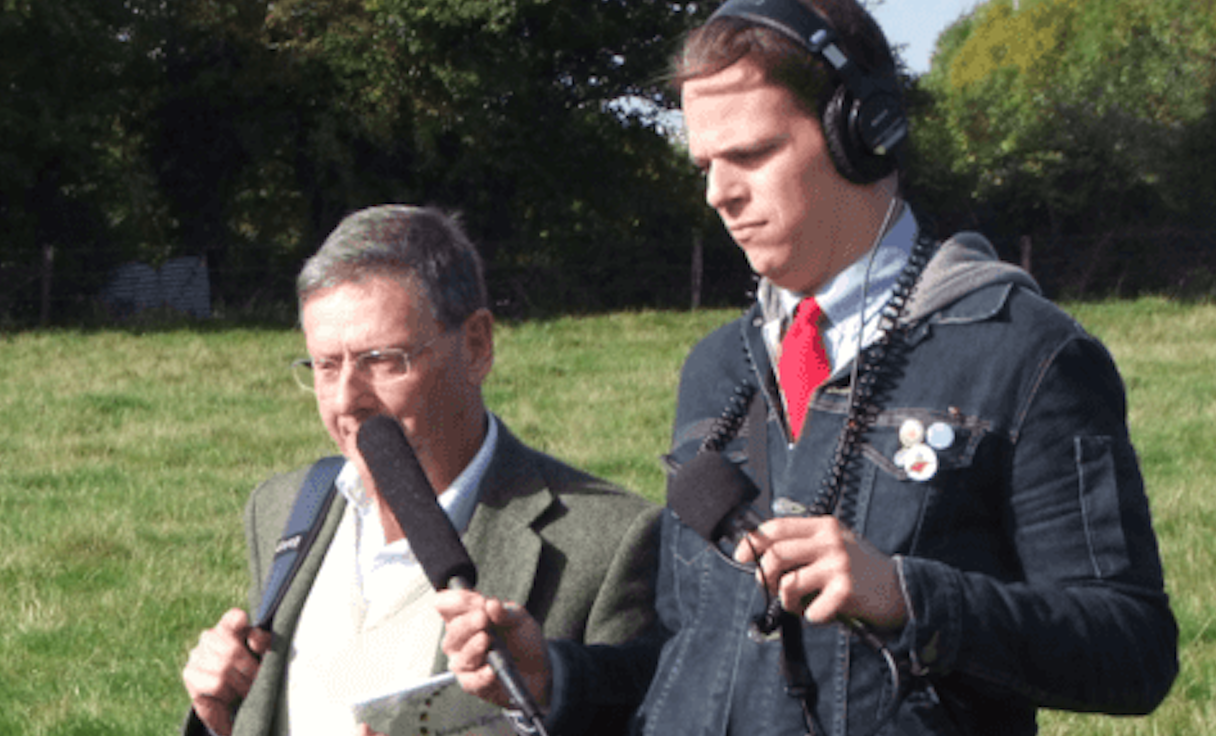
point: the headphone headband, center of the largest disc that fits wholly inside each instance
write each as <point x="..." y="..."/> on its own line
<point x="874" y="122"/>
<point x="801" y="24"/>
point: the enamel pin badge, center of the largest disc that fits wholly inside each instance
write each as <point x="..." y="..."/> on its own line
<point x="918" y="449"/>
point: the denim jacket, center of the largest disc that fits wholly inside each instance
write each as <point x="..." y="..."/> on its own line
<point x="1028" y="557"/>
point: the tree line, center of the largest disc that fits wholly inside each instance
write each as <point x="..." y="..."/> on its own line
<point x="243" y="130"/>
<point x="1082" y="135"/>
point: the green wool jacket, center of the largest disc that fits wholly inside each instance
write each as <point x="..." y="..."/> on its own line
<point x="578" y="552"/>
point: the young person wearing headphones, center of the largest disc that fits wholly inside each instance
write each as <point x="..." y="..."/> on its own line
<point x="950" y="511"/>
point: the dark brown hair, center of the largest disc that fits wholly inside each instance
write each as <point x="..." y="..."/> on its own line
<point x="724" y="41"/>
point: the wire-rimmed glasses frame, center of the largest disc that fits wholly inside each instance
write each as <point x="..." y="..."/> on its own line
<point x="380" y="367"/>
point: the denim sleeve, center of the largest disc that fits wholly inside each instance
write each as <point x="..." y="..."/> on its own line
<point x="1088" y="627"/>
<point x="597" y="688"/>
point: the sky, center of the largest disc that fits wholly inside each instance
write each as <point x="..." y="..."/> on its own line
<point x="918" y="23"/>
<point x="915" y="24"/>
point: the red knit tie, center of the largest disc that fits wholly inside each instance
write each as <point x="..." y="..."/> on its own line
<point x="804" y="363"/>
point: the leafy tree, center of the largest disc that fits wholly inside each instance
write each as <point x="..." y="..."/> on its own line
<point x="243" y="130"/>
<point x="218" y="116"/>
<point x="504" y="110"/>
<point x="275" y="119"/>
<point x="1068" y="116"/>
<point x="61" y="112"/>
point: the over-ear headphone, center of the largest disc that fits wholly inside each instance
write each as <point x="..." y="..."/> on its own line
<point x="864" y="123"/>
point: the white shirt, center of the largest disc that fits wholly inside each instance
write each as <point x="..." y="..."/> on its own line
<point x="369" y="626"/>
<point x="380" y="565"/>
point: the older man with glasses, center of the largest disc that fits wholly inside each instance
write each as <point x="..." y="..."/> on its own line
<point x="395" y="318"/>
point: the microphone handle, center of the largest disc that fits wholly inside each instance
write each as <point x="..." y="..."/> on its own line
<point x="500" y="661"/>
<point x="769" y="621"/>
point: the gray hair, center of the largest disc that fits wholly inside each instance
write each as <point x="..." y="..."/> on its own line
<point x="409" y="244"/>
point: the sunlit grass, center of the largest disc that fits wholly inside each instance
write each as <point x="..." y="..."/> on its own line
<point x="1167" y="354"/>
<point x="125" y="461"/>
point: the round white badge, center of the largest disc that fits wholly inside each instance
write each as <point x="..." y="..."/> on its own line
<point x="911" y="433"/>
<point x="920" y="463"/>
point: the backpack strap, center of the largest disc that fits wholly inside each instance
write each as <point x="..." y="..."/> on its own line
<point x="301" y="531"/>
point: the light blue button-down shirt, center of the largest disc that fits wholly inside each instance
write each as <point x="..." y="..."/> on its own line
<point x="841" y="298"/>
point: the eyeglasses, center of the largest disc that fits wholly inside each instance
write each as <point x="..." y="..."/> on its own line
<point x="378" y="367"/>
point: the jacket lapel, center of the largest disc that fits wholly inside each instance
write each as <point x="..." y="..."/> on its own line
<point x="502" y="537"/>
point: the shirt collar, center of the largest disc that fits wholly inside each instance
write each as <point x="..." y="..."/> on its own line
<point x="841" y="297"/>
<point x="458" y="500"/>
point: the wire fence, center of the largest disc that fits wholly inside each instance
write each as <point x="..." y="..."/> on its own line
<point x="1176" y="262"/>
<point x="57" y="290"/>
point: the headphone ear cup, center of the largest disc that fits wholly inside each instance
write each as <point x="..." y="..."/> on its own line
<point x="844" y="142"/>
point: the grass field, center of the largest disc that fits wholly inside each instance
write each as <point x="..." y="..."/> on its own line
<point x="126" y="457"/>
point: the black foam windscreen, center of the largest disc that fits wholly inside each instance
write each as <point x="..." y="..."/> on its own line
<point x="710" y="494"/>
<point x="404" y="486"/>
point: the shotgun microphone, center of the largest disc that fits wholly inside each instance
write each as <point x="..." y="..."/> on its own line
<point x="404" y="486"/>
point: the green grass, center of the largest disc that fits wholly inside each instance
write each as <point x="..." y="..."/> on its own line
<point x="125" y="460"/>
<point x="1167" y="355"/>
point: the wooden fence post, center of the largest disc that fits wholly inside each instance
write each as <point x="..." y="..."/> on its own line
<point x="48" y="271"/>
<point x="698" y="267"/>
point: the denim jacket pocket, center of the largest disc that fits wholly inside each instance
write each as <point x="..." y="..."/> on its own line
<point x="711" y="599"/>
<point x="894" y="497"/>
<point x="705" y="571"/>
<point x="1100" y="510"/>
<point x="953" y="436"/>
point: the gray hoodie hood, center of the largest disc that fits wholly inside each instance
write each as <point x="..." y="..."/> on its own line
<point x="962" y="265"/>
